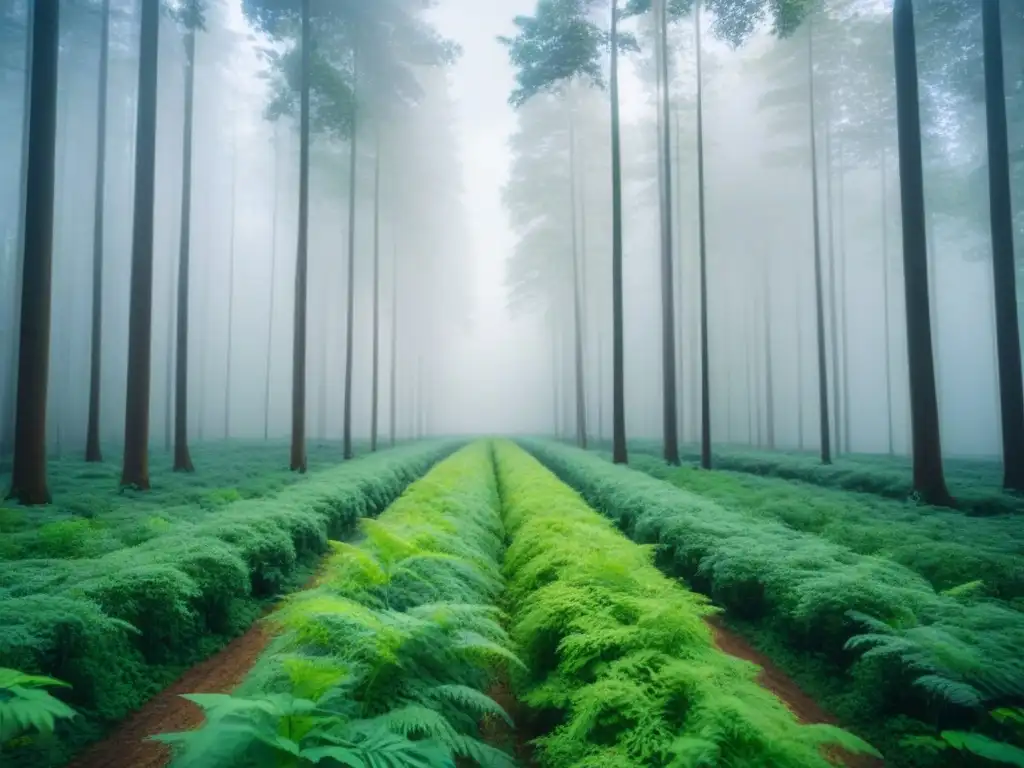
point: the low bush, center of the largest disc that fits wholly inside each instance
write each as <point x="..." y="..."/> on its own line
<point x="120" y="626"/>
<point x="907" y="649"/>
<point x="620" y="658"/>
<point x="386" y="661"/>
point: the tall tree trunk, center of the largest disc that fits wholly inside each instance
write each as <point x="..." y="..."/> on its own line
<point x="885" y="296"/>
<point x="169" y="368"/>
<point x="819" y="298"/>
<point x="1011" y="389"/>
<point x="298" y="448"/>
<point x="92" y="438"/>
<point x="670" y="420"/>
<point x="769" y="390"/>
<point x="135" y="471"/>
<point x="929" y="479"/>
<point x="376" y="295"/>
<point x="28" y="473"/>
<point x="600" y="388"/>
<point x="832" y="285"/>
<point x="799" y="368"/>
<point x="231" y="281"/>
<point x="618" y="353"/>
<point x="182" y="457"/>
<point x="351" y="298"/>
<point x="273" y="273"/>
<point x="705" y="374"/>
<point x="555" y="379"/>
<point x="577" y="310"/>
<point x="392" y="387"/>
<point x="844" y="298"/>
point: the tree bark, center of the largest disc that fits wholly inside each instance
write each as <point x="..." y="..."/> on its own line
<point x="819" y="298"/>
<point x="705" y="373"/>
<point x="135" y="471"/>
<point x="929" y="479"/>
<point x="92" y="438"/>
<point x="28" y="472"/>
<point x="618" y="353"/>
<point x="1011" y="388"/>
<point x="351" y="298"/>
<point x="376" y="296"/>
<point x="298" y="448"/>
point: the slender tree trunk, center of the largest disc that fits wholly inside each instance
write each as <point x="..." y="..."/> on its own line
<point x="135" y="471"/>
<point x="28" y="475"/>
<point x="182" y="457"/>
<point x="799" y="368"/>
<point x="832" y="285"/>
<point x="1011" y="393"/>
<point x="376" y="295"/>
<point x="577" y="310"/>
<point x="885" y="296"/>
<point x="231" y="281"/>
<point x="819" y="299"/>
<point x="92" y="439"/>
<point x="351" y="298"/>
<point x="273" y="275"/>
<point x="393" y="392"/>
<point x="618" y="353"/>
<point x="298" y="449"/>
<point x="668" y="332"/>
<point x="929" y="479"/>
<point x="325" y="349"/>
<point x="769" y="390"/>
<point x="169" y="369"/>
<point x="705" y="374"/>
<point x="600" y="388"/>
<point x="555" y="380"/>
<point x="844" y="298"/>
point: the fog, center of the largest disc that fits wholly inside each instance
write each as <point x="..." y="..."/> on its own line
<point x="475" y="235"/>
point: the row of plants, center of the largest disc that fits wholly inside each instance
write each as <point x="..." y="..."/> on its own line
<point x="974" y="482"/>
<point x="118" y="628"/>
<point x="983" y="557"/>
<point x="622" y="669"/>
<point x="913" y="661"/>
<point x="386" y="662"/>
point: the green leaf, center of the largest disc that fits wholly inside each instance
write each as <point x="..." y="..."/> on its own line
<point x="983" y="746"/>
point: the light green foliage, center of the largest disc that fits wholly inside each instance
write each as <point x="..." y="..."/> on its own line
<point x="391" y="652"/>
<point x="117" y="623"/>
<point x="937" y="657"/>
<point x="26" y="706"/>
<point x="621" y="656"/>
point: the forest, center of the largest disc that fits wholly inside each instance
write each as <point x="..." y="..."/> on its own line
<point x="539" y="383"/>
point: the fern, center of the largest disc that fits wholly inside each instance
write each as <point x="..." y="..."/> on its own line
<point x="25" y="706"/>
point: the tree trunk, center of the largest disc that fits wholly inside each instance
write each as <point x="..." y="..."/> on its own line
<point x="169" y="368"/>
<point x="273" y="271"/>
<point x="376" y="295"/>
<point x="392" y="391"/>
<point x="600" y="388"/>
<point x="670" y="420"/>
<point x="618" y="353"/>
<point x="832" y="286"/>
<point x="555" y="379"/>
<point x="885" y="296"/>
<point x="135" y="471"/>
<point x="929" y="479"/>
<point x="844" y="298"/>
<point x="182" y="457"/>
<point x="1011" y="389"/>
<point x="769" y="391"/>
<point x="705" y="374"/>
<point x="231" y="280"/>
<point x="298" y="448"/>
<point x="28" y="473"/>
<point x="819" y="298"/>
<point x="577" y="310"/>
<point x="351" y="298"/>
<point x="92" y="439"/>
<point x="799" y="369"/>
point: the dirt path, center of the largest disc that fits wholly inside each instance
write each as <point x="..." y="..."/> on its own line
<point x="778" y="682"/>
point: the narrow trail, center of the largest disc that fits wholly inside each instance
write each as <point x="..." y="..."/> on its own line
<point x="806" y="709"/>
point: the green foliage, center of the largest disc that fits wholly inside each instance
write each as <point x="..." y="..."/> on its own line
<point x="620" y="656"/>
<point x="935" y="658"/>
<point x="385" y="661"/>
<point x="120" y="625"/>
<point x="26" y="706"/>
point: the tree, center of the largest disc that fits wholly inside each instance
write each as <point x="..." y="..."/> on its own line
<point x="376" y="298"/>
<point x="929" y="479"/>
<point x="28" y="473"/>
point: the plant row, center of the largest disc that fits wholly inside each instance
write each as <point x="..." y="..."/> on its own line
<point x="983" y="556"/>
<point x="908" y="650"/>
<point x="621" y="663"/>
<point x="119" y="627"/>
<point x="386" y="662"/>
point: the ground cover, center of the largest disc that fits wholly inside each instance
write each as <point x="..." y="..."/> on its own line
<point x="387" y="660"/>
<point x="909" y="661"/>
<point x="118" y="627"/>
<point x="976" y="556"/>
<point x="622" y="666"/>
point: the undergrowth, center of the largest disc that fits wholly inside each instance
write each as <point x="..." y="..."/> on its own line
<point x="620" y="660"/>
<point x="937" y="660"/>
<point x="386" y="661"/>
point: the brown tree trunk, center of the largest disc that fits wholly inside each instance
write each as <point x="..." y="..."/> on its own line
<point x="298" y="448"/>
<point x="28" y="473"/>
<point x="135" y="470"/>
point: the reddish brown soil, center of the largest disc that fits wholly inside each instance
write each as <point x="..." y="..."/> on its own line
<point x="779" y="683"/>
<point x="497" y="733"/>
